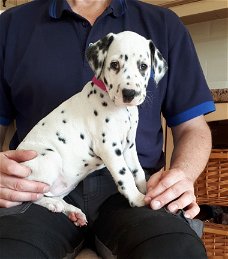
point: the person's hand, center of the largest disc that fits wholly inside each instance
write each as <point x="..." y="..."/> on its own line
<point x="174" y="188"/>
<point x="14" y="188"/>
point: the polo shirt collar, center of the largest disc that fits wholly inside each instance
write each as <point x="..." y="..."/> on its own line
<point x="118" y="7"/>
<point x="57" y="7"/>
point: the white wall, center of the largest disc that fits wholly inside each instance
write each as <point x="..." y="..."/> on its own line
<point x="211" y="42"/>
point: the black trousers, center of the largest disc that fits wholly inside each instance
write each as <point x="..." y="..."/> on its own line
<point x="116" y="229"/>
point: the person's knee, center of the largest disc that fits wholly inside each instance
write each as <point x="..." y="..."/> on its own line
<point x="37" y="231"/>
<point x="122" y="229"/>
<point x="23" y="250"/>
<point x="172" y="246"/>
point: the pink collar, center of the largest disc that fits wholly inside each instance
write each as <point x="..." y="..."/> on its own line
<point x="99" y="83"/>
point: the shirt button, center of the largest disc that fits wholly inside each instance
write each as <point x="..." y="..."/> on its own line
<point x="85" y="24"/>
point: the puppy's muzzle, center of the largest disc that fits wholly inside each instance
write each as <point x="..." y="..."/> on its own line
<point x="128" y="95"/>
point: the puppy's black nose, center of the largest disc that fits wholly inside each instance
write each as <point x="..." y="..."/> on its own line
<point x="128" y="95"/>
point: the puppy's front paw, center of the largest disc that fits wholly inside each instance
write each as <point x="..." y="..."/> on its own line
<point x="138" y="201"/>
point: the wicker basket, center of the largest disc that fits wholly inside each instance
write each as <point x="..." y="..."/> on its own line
<point x="212" y="188"/>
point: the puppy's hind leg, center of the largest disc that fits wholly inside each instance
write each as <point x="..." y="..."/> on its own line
<point x="56" y="204"/>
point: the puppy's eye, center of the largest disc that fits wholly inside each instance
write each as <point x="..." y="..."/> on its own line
<point x="143" y="67"/>
<point x="115" y="65"/>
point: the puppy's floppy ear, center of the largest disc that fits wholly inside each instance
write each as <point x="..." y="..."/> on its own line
<point x="159" y="65"/>
<point x="97" y="52"/>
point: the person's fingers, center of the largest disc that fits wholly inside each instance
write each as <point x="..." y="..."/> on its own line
<point x="161" y="183"/>
<point x="192" y="210"/>
<point x="15" y="196"/>
<point x="23" y="185"/>
<point x="172" y="193"/>
<point x="20" y="155"/>
<point x="8" y="204"/>
<point x="182" y="202"/>
<point x="153" y="181"/>
<point x="9" y="162"/>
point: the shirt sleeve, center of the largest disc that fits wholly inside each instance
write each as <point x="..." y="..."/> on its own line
<point x="187" y="95"/>
<point x="6" y="107"/>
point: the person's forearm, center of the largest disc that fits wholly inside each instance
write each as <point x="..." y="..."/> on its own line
<point x="192" y="148"/>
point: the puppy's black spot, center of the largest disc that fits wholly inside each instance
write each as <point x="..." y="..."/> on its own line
<point x="49" y="149"/>
<point x="57" y="133"/>
<point x="106" y="120"/>
<point x="62" y="111"/>
<point x="92" y="83"/>
<point x="95" y="113"/>
<point x="113" y="144"/>
<point x="105" y="81"/>
<point x="43" y="154"/>
<point x="122" y="171"/>
<point x="103" y="134"/>
<point x="94" y="91"/>
<point x="104" y="104"/>
<point x="126" y="57"/>
<point x="91" y="92"/>
<point x="111" y="86"/>
<point x="101" y="95"/>
<point x="118" y="152"/>
<point x="103" y="140"/>
<point x="43" y="123"/>
<point x="82" y="136"/>
<point x="134" y="172"/>
<point x="131" y="145"/>
<point x="62" y="140"/>
<point x="64" y="121"/>
<point x="85" y="165"/>
<point x="120" y="183"/>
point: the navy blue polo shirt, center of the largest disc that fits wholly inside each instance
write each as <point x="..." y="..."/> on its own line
<point x="42" y="63"/>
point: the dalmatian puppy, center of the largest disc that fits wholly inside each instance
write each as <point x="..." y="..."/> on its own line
<point x="97" y="127"/>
